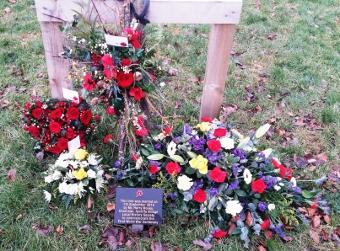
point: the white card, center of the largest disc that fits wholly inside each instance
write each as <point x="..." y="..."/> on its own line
<point x="71" y="95"/>
<point x="116" y="40"/>
<point x="73" y="144"/>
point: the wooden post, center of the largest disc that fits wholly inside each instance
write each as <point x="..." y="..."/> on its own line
<point x="58" y="68"/>
<point x="220" y="44"/>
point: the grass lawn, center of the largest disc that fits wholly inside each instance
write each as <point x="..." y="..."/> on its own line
<point x="284" y="69"/>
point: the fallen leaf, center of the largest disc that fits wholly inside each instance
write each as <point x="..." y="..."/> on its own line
<point x="334" y="237"/>
<point x="42" y="231"/>
<point x="258" y="67"/>
<point x="156" y="246"/>
<point x="52" y="207"/>
<point x="40" y="75"/>
<point x="326" y="218"/>
<point x="249" y="219"/>
<point x="60" y="229"/>
<point x="272" y="36"/>
<point x="151" y="231"/>
<point x="85" y="229"/>
<point x="1" y="231"/>
<point x="40" y="155"/>
<point x="89" y="215"/>
<point x="130" y="243"/>
<point x="11" y="1"/>
<point x="5" y="103"/>
<point x="18" y="217"/>
<point x="226" y="111"/>
<point x="11" y="174"/>
<point x="324" y="235"/>
<point x="315" y="235"/>
<point x="111" y="190"/>
<point x="232" y="227"/>
<point x="110" y="206"/>
<point x="300" y="162"/>
<point x="205" y="246"/>
<point x="269" y="234"/>
<point x="323" y="157"/>
<point x="261" y="248"/>
<point x="10" y="69"/>
<point x="89" y="202"/>
<point x="316" y="221"/>
<point x="112" y="243"/>
<point x="122" y="237"/>
<point x="7" y="10"/>
<point x="287" y="238"/>
<point x="172" y="71"/>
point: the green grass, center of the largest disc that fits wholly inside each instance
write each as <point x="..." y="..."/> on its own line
<point x="303" y="61"/>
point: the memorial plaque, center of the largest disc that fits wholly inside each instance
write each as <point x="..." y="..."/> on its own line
<point x="138" y="206"/>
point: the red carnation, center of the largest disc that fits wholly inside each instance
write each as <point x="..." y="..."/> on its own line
<point x="265" y="224"/>
<point x="286" y="173"/>
<point x="38" y="103"/>
<point x="206" y="119"/>
<point x="126" y="62"/>
<point x="56" y="149"/>
<point x="63" y="143"/>
<point x="108" y="138"/>
<point x="36" y="112"/>
<point x="57" y="113"/>
<point x="110" y="110"/>
<point x="217" y="175"/>
<point x="220" y="132"/>
<point x="277" y="164"/>
<point x="107" y="60"/>
<point x="86" y="116"/>
<point x="200" y="196"/>
<point x="173" y="168"/>
<point x="34" y="131"/>
<point x="73" y="113"/>
<point x="125" y="79"/>
<point x="167" y="130"/>
<point x="258" y="186"/>
<point x="134" y="157"/>
<point x="89" y="83"/>
<point x="220" y="234"/>
<point x="141" y="131"/>
<point x="153" y="169"/>
<point x="137" y="93"/>
<point x="55" y="127"/>
<point x="214" y="145"/>
<point x="133" y="37"/>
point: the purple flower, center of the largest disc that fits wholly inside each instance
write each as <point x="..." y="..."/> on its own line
<point x="298" y="190"/>
<point x="197" y="185"/>
<point x="233" y="186"/>
<point x="187" y="129"/>
<point x="154" y="163"/>
<point x="176" y="139"/>
<point x="270" y="181"/>
<point x="235" y="170"/>
<point x="213" y="191"/>
<point x="211" y="156"/>
<point x="321" y="180"/>
<point x="278" y="230"/>
<point x="197" y="144"/>
<point x="157" y="146"/>
<point x="262" y="206"/>
<point x="117" y="163"/>
<point x="239" y="153"/>
<point x="172" y="196"/>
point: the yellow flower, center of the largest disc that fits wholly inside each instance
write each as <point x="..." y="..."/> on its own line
<point x="80" y="174"/>
<point x="80" y="154"/>
<point x="200" y="163"/>
<point x="204" y="126"/>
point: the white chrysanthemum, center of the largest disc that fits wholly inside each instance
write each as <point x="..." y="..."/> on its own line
<point x="171" y="148"/>
<point x="56" y="175"/>
<point x="139" y="162"/>
<point x="48" y="179"/>
<point x="276" y="187"/>
<point x="233" y="207"/>
<point x="293" y="182"/>
<point x="184" y="183"/>
<point x="48" y="196"/>
<point x="65" y="156"/>
<point x="62" y="163"/>
<point x="83" y="164"/>
<point x="70" y="175"/>
<point x="79" y="189"/>
<point x="74" y="163"/>
<point x="271" y="207"/>
<point x="92" y="159"/>
<point x="227" y="143"/>
<point x="247" y="176"/>
<point x="99" y="183"/>
<point x="91" y="174"/>
<point x="63" y="187"/>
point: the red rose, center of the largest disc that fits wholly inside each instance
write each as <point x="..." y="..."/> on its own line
<point x="153" y="169"/>
<point x="214" y="145"/>
<point x="56" y="149"/>
<point x="141" y="131"/>
<point x="220" y="234"/>
<point x="61" y="103"/>
<point x="63" y="143"/>
<point x="200" y="196"/>
<point x="167" y="130"/>
<point x="217" y="175"/>
<point x="137" y="93"/>
<point x="55" y="127"/>
<point x="34" y="131"/>
<point x="265" y="224"/>
<point x="28" y="106"/>
<point x="70" y="133"/>
<point x="277" y="164"/>
<point x="36" y="112"/>
<point x="38" y="103"/>
<point x="173" y="168"/>
<point x="108" y="138"/>
<point x="125" y="79"/>
<point x="220" y="132"/>
<point x="73" y="113"/>
<point x="89" y="83"/>
<point x="57" y="113"/>
<point x="206" y="119"/>
<point x="126" y="62"/>
<point x="110" y="110"/>
<point x="86" y="116"/>
<point x="258" y="186"/>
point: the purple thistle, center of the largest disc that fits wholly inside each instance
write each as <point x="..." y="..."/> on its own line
<point x="262" y="206"/>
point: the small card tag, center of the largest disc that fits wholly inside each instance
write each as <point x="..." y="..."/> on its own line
<point x="71" y="95"/>
<point x="116" y="41"/>
<point x="73" y="144"/>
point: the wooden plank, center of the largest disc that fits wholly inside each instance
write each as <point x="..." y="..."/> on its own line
<point x="160" y="11"/>
<point x="220" y="44"/>
<point x="58" y="68"/>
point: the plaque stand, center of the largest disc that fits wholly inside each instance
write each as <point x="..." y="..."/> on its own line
<point x="136" y="228"/>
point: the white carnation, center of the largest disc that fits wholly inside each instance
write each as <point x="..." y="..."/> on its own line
<point x="184" y="183"/>
<point x="227" y="143"/>
<point x="233" y="207"/>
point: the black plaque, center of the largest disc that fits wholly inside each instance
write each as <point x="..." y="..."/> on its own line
<point x="138" y="206"/>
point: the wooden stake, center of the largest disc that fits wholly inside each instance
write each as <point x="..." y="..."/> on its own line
<point x="220" y="44"/>
<point x="58" y="68"/>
